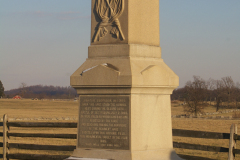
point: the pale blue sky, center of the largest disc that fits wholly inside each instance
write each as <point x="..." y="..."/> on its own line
<point x="45" y="41"/>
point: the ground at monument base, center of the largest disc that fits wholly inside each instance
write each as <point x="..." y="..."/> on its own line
<point x="102" y="154"/>
<point x="75" y="158"/>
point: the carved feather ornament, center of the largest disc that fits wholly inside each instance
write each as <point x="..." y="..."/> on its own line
<point x="109" y="11"/>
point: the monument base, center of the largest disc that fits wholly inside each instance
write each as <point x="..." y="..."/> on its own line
<point x="98" y="154"/>
<point x="75" y="158"/>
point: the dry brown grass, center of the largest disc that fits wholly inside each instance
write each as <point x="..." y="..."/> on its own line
<point x="178" y="109"/>
<point x="236" y="115"/>
<point x="31" y="109"/>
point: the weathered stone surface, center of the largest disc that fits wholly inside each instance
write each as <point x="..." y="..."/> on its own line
<point x="137" y="24"/>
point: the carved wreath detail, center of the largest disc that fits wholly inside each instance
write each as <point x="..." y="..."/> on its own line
<point x="109" y="11"/>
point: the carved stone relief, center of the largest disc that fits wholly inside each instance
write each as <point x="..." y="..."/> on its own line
<point x="109" y="11"/>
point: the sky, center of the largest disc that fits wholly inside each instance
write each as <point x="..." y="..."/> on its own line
<point x="45" y="41"/>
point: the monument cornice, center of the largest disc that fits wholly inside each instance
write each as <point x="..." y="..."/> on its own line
<point x="124" y="50"/>
<point x="127" y="90"/>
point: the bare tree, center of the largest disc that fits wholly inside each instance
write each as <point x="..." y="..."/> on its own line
<point x="211" y="87"/>
<point x="195" y="94"/>
<point x="1" y="90"/>
<point x="218" y="92"/>
<point x="23" y="89"/>
<point x="229" y="87"/>
<point x="236" y="94"/>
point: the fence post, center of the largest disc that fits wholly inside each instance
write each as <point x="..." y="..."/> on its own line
<point x="5" y="137"/>
<point x="235" y="146"/>
<point x="232" y="142"/>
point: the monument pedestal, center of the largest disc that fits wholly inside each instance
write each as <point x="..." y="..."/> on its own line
<point x="125" y="107"/>
<point x="124" y="86"/>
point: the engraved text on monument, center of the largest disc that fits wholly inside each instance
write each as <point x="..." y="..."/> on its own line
<point x="104" y="122"/>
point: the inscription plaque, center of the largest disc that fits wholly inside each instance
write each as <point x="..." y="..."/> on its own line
<point x="104" y="122"/>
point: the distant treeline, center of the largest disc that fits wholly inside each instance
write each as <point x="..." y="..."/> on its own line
<point x="223" y="93"/>
<point x="224" y="90"/>
<point x="42" y="92"/>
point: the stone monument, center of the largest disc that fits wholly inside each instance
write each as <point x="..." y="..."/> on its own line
<point x="124" y="86"/>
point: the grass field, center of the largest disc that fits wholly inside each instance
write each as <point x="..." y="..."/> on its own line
<point x="35" y="109"/>
<point x="49" y="109"/>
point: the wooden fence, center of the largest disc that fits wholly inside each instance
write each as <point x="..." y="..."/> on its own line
<point x="7" y="133"/>
<point x="231" y="151"/>
<point x="199" y="134"/>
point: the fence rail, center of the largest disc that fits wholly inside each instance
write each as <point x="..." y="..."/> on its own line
<point x="42" y="125"/>
<point x="43" y="135"/>
<point x="200" y="147"/>
<point x="41" y="147"/>
<point x="36" y="156"/>
<point x="232" y="136"/>
<point x="200" y="134"/>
